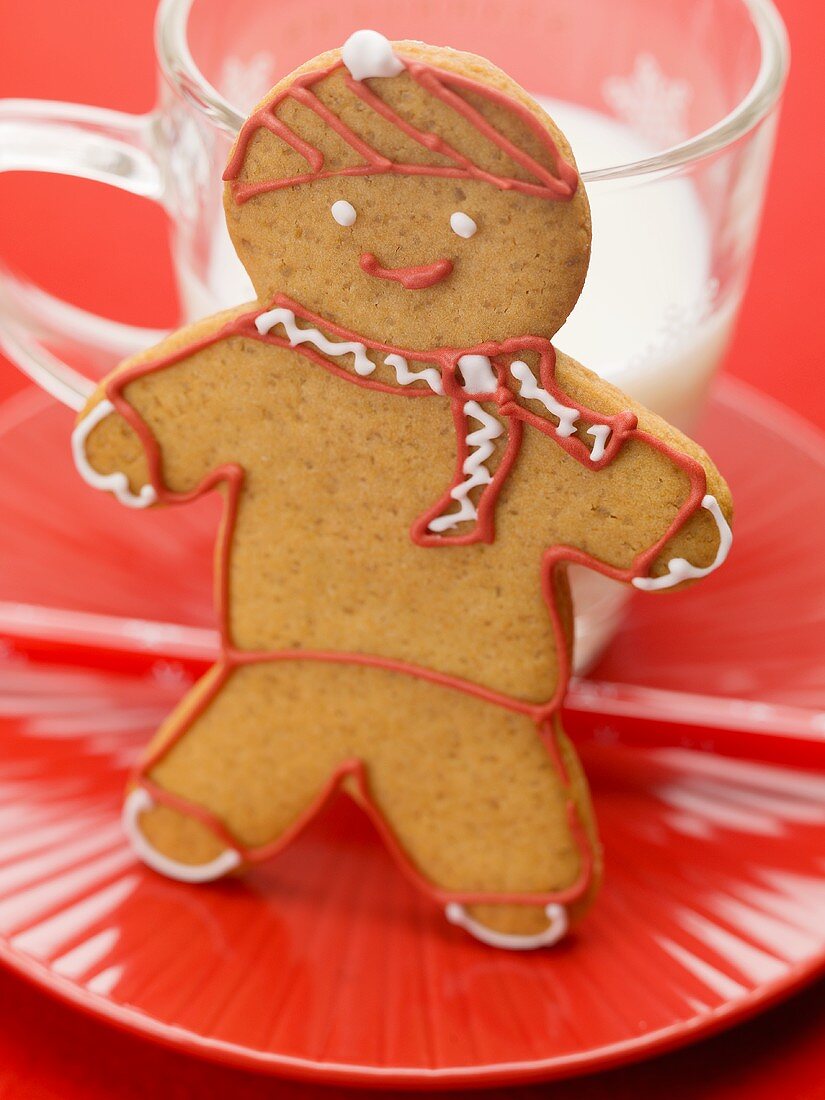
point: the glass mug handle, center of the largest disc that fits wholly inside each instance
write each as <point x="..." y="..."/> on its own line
<point x="93" y="143"/>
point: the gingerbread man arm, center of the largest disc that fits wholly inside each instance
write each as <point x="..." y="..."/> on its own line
<point x="144" y="440"/>
<point x="659" y="511"/>
<point x="109" y="456"/>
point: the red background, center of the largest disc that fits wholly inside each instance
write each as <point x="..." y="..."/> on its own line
<point x="106" y="251"/>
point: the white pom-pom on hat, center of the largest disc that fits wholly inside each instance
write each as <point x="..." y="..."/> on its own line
<point x="368" y="53"/>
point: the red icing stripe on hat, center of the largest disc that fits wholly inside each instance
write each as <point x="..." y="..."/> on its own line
<point x="558" y="187"/>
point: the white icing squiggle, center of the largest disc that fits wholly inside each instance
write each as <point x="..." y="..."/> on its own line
<point x="556" y="914"/>
<point x="679" y="569"/>
<point x="265" y="322"/>
<point x="531" y="390"/>
<point x="139" y="801"/>
<point x="476" y="473"/>
<point x="405" y="376"/>
<point x="115" y="483"/>
<point x="368" y="53"/>
<point x="343" y="212"/>
<point x="600" y="433"/>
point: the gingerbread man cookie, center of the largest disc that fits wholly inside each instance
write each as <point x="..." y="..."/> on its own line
<point x="407" y="468"/>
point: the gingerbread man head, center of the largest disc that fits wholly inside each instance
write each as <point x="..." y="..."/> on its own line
<point x="388" y="191"/>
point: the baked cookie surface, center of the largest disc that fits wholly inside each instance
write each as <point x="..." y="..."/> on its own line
<point x="408" y="466"/>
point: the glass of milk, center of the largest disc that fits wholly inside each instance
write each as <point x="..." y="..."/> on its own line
<point x="671" y="110"/>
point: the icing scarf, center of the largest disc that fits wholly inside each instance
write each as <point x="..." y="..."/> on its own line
<point x="492" y="373"/>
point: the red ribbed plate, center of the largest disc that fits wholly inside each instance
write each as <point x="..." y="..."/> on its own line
<point x="325" y="964"/>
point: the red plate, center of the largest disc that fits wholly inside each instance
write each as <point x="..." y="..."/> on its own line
<point x="325" y="964"/>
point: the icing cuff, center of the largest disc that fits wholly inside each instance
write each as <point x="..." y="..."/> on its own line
<point x="679" y="569"/>
<point x="115" y="483"/>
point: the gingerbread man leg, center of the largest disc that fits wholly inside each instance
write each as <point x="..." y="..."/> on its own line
<point x="482" y="809"/>
<point x="227" y="775"/>
<point x="526" y="928"/>
<point x="466" y="793"/>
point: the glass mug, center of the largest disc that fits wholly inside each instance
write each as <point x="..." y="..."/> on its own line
<point x="671" y="110"/>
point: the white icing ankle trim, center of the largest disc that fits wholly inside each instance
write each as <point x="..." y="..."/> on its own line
<point x="600" y="433"/>
<point x="556" y="914"/>
<point x="476" y="473"/>
<point x="116" y="483"/>
<point x="368" y="53"/>
<point x="139" y="801"/>
<point x="679" y="569"/>
<point x="531" y="390"/>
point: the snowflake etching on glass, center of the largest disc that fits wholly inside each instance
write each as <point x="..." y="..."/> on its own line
<point x="245" y="82"/>
<point x="652" y="104"/>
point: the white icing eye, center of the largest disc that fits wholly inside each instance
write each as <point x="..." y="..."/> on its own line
<point x="462" y="224"/>
<point x="343" y="212"/>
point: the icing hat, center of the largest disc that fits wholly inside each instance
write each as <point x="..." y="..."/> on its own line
<point x="331" y="122"/>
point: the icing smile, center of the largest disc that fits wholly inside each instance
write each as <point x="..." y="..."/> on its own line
<point x="411" y="278"/>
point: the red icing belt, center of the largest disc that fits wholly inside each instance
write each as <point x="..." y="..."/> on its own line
<point x="622" y="426"/>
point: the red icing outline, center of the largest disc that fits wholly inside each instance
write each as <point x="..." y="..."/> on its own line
<point x="439" y="83"/>
<point x="419" y="277"/>
<point x="561" y="187"/>
<point x="622" y="427"/>
<point x="355" y="768"/>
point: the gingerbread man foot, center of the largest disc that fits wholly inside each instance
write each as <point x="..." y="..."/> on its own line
<point x="557" y="925"/>
<point x="140" y="812"/>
